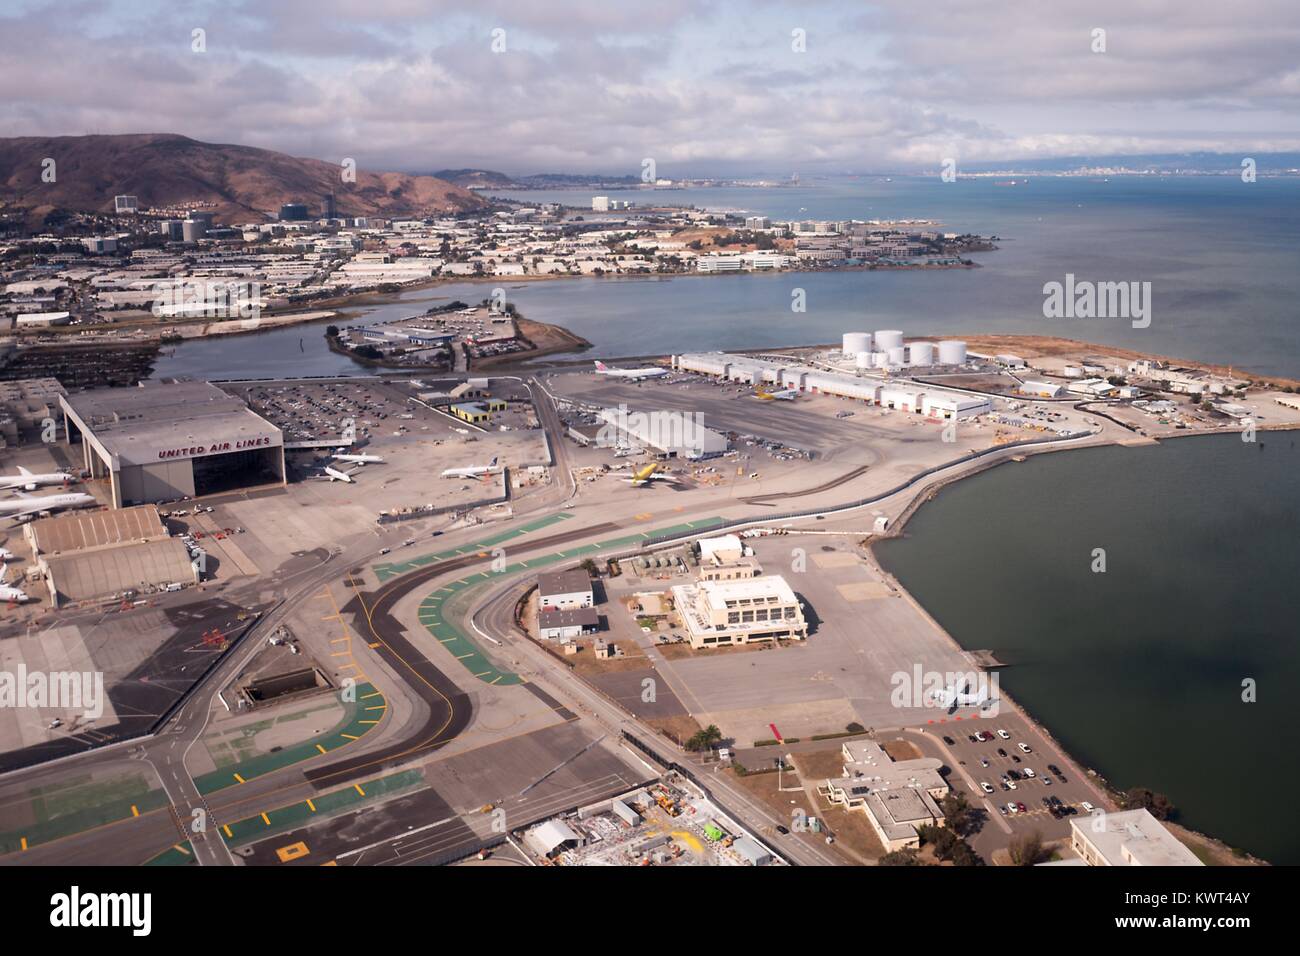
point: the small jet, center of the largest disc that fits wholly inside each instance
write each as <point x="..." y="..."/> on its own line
<point x="358" y="459"/>
<point x="25" y="506"/>
<point x="6" y="555"/>
<point x="645" y="476"/>
<point x="472" y="471"/>
<point x="632" y="374"/>
<point x="786" y="395"/>
<point x="28" y="481"/>
<point x="950" y="698"/>
<point x="11" y="595"/>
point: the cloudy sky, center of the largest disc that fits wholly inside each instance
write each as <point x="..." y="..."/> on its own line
<point x="716" y="88"/>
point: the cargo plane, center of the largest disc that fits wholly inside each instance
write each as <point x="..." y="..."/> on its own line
<point x="787" y="395"/>
<point x="644" y="476"/>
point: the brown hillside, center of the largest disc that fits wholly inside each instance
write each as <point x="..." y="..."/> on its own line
<point x="245" y="183"/>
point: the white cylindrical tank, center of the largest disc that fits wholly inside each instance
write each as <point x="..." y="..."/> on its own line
<point x="855" y="342"/>
<point x="880" y="359"/>
<point x="952" y="352"/>
<point x="887" y="339"/>
<point x="922" y="353"/>
<point x="898" y="355"/>
<point x="865" y="360"/>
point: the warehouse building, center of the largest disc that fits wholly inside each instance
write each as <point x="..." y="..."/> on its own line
<point x="566" y="624"/>
<point x="107" y="555"/>
<point x="162" y="442"/>
<point x="564" y="590"/>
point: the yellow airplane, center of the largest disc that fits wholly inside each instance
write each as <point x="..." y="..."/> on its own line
<point x="787" y="395"/>
<point x="645" y="476"/>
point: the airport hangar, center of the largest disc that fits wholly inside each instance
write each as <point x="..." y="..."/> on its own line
<point x="164" y="441"/>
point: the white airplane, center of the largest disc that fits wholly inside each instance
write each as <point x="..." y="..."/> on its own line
<point x="471" y="471"/>
<point x="26" y="505"/>
<point x="359" y="459"/>
<point x="787" y="395"/>
<point x="951" y="697"/>
<point x="333" y="474"/>
<point x="28" y="481"/>
<point x="634" y="374"/>
<point x="6" y="555"/>
<point x="10" y="595"/>
<point x="645" y="475"/>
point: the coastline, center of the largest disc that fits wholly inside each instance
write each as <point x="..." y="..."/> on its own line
<point x="1222" y="854"/>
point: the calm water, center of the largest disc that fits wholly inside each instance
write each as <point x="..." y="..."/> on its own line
<point x="1139" y="670"/>
<point x="1223" y="258"/>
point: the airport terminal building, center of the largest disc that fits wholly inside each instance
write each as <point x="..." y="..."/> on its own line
<point x="164" y="441"/>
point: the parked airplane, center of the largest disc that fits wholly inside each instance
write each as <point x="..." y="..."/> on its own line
<point x="471" y="471"/>
<point x="952" y="698"/>
<point x="645" y="475"/>
<point x="28" y="481"/>
<point x="787" y="395"/>
<point x="26" y="505"/>
<point x="11" y="595"/>
<point x="634" y="374"/>
<point x="6" y="555"/>
<point x="333" y="474"/>
<point x="359" y="459"/>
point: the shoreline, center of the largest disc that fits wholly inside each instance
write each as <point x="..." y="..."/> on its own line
<point x="930" y="492"/>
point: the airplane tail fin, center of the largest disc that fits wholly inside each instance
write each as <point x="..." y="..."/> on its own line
<point x="601" y="367"/>
<point x="494" y="462"/>
<point x="24" y="472"/>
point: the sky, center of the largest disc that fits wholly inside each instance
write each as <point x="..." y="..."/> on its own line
<point x="704" y="89"/>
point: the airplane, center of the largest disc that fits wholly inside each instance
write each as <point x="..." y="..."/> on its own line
<point x="645" y="476"/>
<point x="6" y="555"/>
<point x="26" y="505"/>
<point x="8" y="594"/>
<point x="787" y="395"/>
<point x="951" y="698"/>
<point x="359" y="459"/>
<point x="28" y="481"/>
<point x="471" y="471"/>
<point x="633" y="374"/>
<point x="333" y="474"/>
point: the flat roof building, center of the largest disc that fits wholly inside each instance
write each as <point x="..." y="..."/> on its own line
<point x="564" y="590"/>
<point x="1128" y="838"/>
<point x="743" y="611"/>
<point x="565" y="624"/>
<point x="161" y="442"/>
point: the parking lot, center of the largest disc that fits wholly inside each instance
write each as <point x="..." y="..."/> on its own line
<point x="1049" y="787"/>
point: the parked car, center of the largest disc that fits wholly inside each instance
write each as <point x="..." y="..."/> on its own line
<point x="1003" y="734"/>
<point x="1025" y="748"/>
<point x="986" y="786"/>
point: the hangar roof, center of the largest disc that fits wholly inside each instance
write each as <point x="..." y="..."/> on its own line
<point x="85" y="530"/>
<point x="171" y="420"/>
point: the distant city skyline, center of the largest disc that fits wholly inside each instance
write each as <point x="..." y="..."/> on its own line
<point x="728" y="89"/>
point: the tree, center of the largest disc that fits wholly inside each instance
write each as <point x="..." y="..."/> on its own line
<point x="904" y="857"/>
<point x="957" y="813"/>
<point x="331" y="331"/>
<point x="1027" y="849"/>
<point x="703" y="739"/>
<point x="1157" y="804"/>
<point x="589" y="566"/>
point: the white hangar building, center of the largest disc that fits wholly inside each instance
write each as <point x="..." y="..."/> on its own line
<point x="160" y="442"/>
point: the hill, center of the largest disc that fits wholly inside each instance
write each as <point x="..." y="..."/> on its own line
<point x="244" y="183"/>
<point x="475" y="178"/>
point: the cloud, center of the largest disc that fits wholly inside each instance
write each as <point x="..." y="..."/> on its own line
<point x="698" y="87"/>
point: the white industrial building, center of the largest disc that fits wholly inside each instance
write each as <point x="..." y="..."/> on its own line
<point x="564" y="590"/>
<point x="672" y="434"/>
<point x="946" y="405"/>
<point x="1041" y="389"/>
